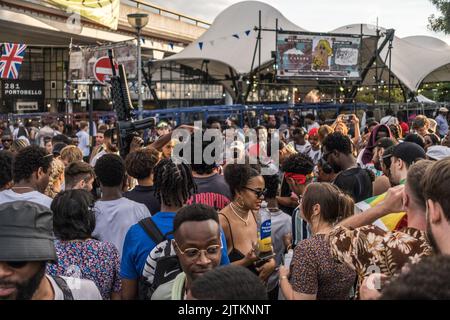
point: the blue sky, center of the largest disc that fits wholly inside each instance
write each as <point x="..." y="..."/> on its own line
<point x="407" y="17"/>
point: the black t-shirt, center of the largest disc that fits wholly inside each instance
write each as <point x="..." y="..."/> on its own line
<point x="212" y="191"/>
<point x="285" y="191"/>
<point x="356" y="182"/>
<point x="145" y="195"/>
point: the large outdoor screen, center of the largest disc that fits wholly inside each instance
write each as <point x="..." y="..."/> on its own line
<point x="301" y="55"/>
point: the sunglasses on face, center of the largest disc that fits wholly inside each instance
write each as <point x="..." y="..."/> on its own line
<point x="6" y="140"/>
<point x="258" y="193"/>
<point x="16" y="264"/>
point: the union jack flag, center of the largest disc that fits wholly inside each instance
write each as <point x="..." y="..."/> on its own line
<point x="11" y="60"/>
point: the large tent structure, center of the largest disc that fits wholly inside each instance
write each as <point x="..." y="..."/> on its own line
<point x="228" y="48"/>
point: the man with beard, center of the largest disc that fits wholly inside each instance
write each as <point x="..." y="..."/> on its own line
<point x="381" y="183"/>
<point x="437" y="195"/>
<point x="402" y="157"/>
<point x="397" y="161"/>
<point x="337" y="151"/>
<point x="198" y="246"/>
<point x="271" y="122"/>
<point x="367" y="248"/>
<point x="31" y="170"/>
<point x="26" y="245"/>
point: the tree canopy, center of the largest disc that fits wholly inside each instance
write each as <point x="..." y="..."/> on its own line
<point x="440" y="23"/>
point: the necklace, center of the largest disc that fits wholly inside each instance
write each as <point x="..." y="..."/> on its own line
<point x="237" y="215"/>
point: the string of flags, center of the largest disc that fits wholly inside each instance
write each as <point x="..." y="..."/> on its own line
<point x="237" y="36"/>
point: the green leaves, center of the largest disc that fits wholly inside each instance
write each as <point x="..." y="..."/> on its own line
<point x="440" y="23"/>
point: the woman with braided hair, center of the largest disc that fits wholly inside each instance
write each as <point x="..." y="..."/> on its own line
<point x="56" y="178"/>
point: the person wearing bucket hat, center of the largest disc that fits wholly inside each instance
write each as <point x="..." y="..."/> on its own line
<point x="442" y="123"/>
<point x="26" y="246"/>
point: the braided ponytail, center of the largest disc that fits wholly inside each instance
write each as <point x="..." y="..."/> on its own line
<point x="174" y="183"/>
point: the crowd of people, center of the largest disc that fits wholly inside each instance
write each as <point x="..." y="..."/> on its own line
<point x="357" y="210"/>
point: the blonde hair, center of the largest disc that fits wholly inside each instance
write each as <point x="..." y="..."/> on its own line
<point x="327" y="46"/>
<point x="323" y="131"/>
<point x="71" y="154"/>
<point x="56" y="171"/>
<point x="343" y="125"/>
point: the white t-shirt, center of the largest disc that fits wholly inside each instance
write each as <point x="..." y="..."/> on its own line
<point x="301" y="148"/>
<point x="81" y="289"/>
<point x="83" y="143"/>
<point x="33" y="196"/>
<point x="315" y="155"/>
<point x="97" y="156"/>
<point x="115" y="217"/>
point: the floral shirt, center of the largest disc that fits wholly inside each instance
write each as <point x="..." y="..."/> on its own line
<point x="370" y="249"/>
<point x="89" y="259"/>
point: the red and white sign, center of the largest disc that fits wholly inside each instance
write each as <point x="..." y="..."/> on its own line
<point x="103" y="70"/>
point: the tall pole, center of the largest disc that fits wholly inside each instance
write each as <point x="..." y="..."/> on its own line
<point x="259" y="58"/>
<point x="139" y="63"/>
<point x="390" y="74"/>
<point x="91" y="120"/>
<point x="376" y="66"/>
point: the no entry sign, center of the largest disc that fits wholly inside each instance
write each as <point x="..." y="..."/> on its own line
<point x="102" y="69"/>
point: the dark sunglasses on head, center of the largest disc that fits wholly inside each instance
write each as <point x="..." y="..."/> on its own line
<point x="16" y="264"/>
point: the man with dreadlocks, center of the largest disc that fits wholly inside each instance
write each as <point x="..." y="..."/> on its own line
<point x="174" y="185"/>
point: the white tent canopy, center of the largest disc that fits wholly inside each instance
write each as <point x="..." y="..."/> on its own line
<point x="414" y="59"/>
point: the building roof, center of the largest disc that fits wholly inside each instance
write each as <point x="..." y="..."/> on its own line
<point x="226" y="46"/>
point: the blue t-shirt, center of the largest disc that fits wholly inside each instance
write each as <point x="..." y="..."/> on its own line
<point x="138" y="244"/>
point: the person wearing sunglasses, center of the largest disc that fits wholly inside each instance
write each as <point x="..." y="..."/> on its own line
<point x="25" y="251"/>
<point x="198" y="246"/>
<point x="351" y="178"/>
<point x="6" y="142"/>
<point x="238" y="219"/>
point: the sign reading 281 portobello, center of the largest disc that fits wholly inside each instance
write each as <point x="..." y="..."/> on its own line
<point x="11" y="89"/>
<point x="318" y="56"/>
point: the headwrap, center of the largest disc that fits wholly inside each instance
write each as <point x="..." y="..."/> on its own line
<point x="298" y="177"/>
<point x="313" y="132"/>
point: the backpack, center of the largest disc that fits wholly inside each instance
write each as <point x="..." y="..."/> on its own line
<point x="162" y="264"/>
<point x="62" y="284"/>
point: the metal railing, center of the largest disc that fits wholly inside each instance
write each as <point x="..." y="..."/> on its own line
<point x="169" y="13"/>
